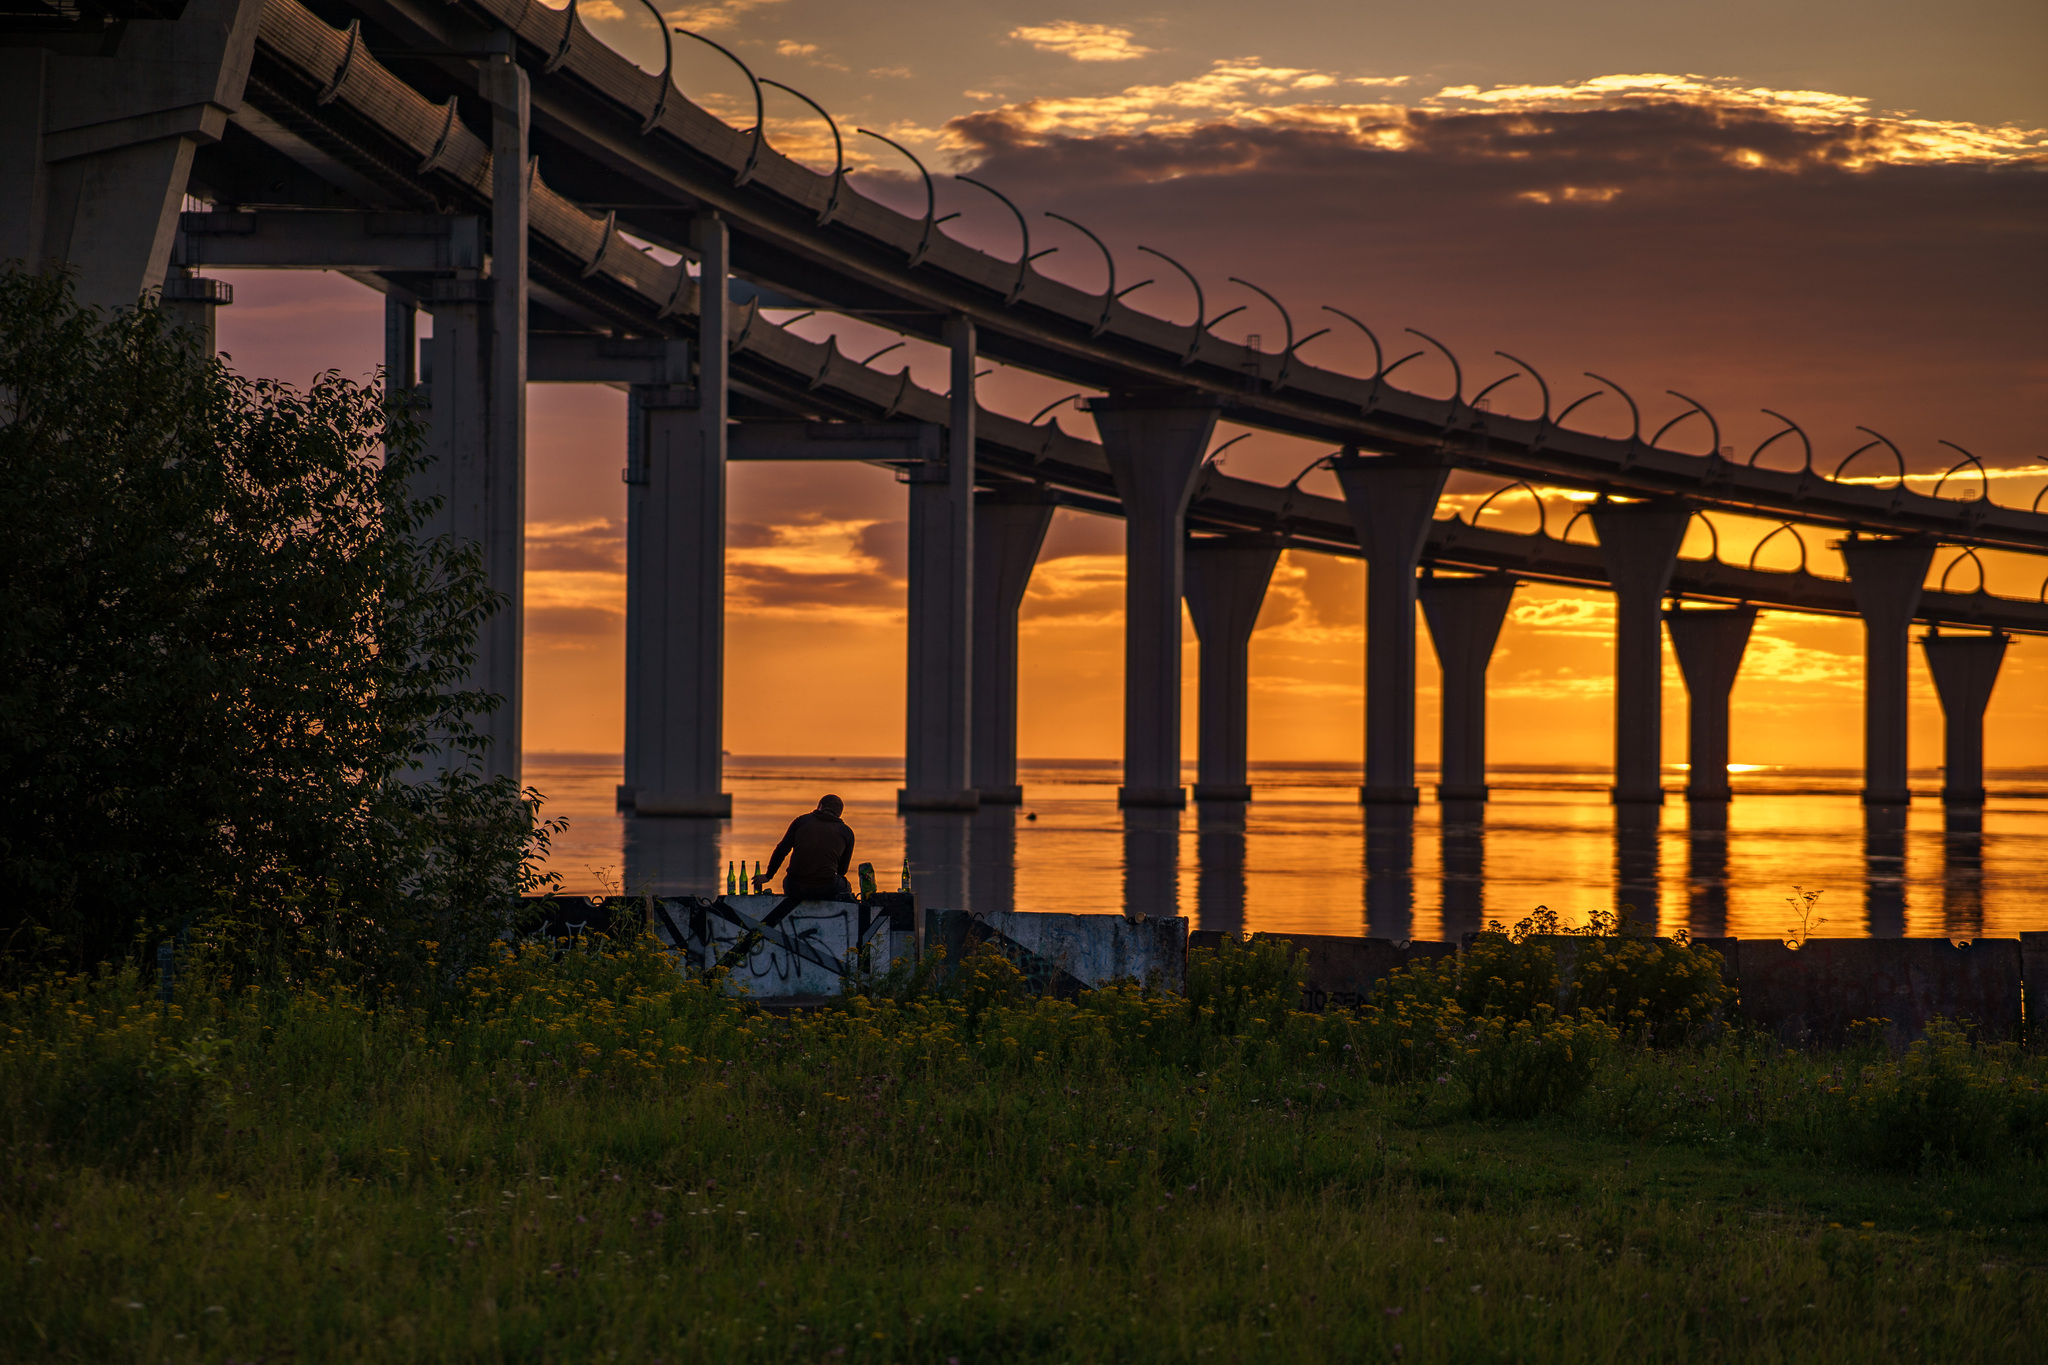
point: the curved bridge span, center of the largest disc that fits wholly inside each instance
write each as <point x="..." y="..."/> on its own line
<point x="495" y="164"/>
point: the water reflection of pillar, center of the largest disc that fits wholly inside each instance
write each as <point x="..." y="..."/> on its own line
<point x="1962" y="873"/>
<point x="935" y="841"/>
<point x="1390" y="871"/>
<point x="992" y="859"/>
<point x="1463" y="848"/>
<point x="1220" y="882"/>
<point x="1884" y="870"/>
<point x="1635" y="858"/>
<point x="672" y="856"/>
<point x="1707" y="869"/>
<point x="1151" y="860"/>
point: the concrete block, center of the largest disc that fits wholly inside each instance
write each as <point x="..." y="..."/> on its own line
<point x="1343" y="973"/>
<point x="831" y="929"/>
<point x="1064" y="954"/>
<point x="1810" y="995"/>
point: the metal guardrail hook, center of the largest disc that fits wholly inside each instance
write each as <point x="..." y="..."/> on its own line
<point x="1714" y="450"/>
<point x="1792" y="428"/>
<point x="1109" y="294"/>
<point x="1457" y="370"/>
<point x="1286" y="320"/>
<point x="1040" y="414"/>
<point x="1025" y="256"/>
<point x="1783" y="527"/>
<point x="760" y="106"/>
<point x="668" y="70"/>
<point x="931" y="196"/>
<point x="570" y="23"/>
<point x="1969" y="552"/>
<point x="1713" y="554"/>
<point x="1881" y="440"/>
<point x="1542" y="512"/>
<point x="1201" y="304"/>
<point x="1217" y="453"/>
<point x="1542" y="385"/>
<point x="831" y="209"/>
<point x="1635" y="436"/>
<point x="1983" y="474"/>
<point x="884" y="351"/>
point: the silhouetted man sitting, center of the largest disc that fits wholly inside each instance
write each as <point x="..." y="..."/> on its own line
<point x="819" y="847"/>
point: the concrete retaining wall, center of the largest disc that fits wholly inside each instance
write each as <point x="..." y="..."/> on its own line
<point x="1344" y="972"/>
<point x="1063" y="954"/>
<point x="1815" y="994"/>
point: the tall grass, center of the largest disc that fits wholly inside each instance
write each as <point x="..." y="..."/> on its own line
<point x="585" y="1157"/>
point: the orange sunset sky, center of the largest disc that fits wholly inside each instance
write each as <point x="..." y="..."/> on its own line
<point x="1836" y="212"/>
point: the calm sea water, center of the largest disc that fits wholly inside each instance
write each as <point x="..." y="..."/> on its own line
<point x="1304" y="856"/>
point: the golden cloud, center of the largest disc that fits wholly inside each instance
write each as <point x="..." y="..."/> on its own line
<point x="1083" y="42"/>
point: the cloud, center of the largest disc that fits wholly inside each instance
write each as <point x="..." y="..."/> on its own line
<point x="1083" y="42"/>
<point x="601" y="11"/>
<point x="714" y="14"/>
<point x="789" y="47"/>
<point x="841" y="569"/>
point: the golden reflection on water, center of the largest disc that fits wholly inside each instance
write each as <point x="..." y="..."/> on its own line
<point x="1306" y="857"/>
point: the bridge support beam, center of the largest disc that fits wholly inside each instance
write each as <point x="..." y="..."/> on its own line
<point x="1154" y="443"/>
<point x="1886" y="577"/>
<point x="1009" y="528"/>
<point x="1639" y="545"/>
<point x="1391" y="499"/>
<point x="675" y="564"/>
<point x="1465" y="616"/>
<point x="1226" y="580"/>
<point x="1709" y="643"/>
<point x="95" y="151"/>
<point x="1965" y="669"/>
<point x="938" y="732"/>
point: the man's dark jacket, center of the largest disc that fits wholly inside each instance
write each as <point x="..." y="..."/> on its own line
<point x="819" y="847"/>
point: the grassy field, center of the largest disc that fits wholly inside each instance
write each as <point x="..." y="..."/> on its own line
<point x="585" y="1159"/>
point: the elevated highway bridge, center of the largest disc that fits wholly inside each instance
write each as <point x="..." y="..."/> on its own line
<point x="495" y="164"/>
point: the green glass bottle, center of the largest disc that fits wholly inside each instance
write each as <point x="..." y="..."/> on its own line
<point x="731" y="880"/>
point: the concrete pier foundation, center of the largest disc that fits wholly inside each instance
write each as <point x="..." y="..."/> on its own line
<point x="1639" y="545"/>
<point x="1154" y="443"/>
<point x="938" y="733"/>
<point x="1009" y="529"/>
<point x="1226" y="581"/>
<point x="1391" y="499"/>
<point x="1886" y="577"/>
<point x="1465" y="616"/>
<point x="1965" y="669"/>
<point x="675" y="568"/>
<point x="1709" y="643"/>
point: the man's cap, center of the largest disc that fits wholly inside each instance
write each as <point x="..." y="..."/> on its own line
<point x="831" y="803"/>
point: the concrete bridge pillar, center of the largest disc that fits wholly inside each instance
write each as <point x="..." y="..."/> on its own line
<point x="675" y="571"/>
<point x="1886" y="577"/>
<point x="938" y="731"/>
<point x="1709" y="644"/>
<point x="95" y="151"/>
<point x="1639" y="545"/>
<point x="1465" y="616"/>
<point x="401" y="346"/>
<point x="1965" y="668"/>
<point x="1154" y="443"/>
<point x="1391" y="499"/>
<point x="1009" y="529"/>
<point x="1226" y="580"/>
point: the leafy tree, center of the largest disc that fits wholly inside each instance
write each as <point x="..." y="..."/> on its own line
<point x="232" y="663"/>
